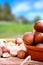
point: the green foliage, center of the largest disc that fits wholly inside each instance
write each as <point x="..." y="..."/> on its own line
<point x="0" y="12"/>
<point x="36" y="19"/>
<point x="5" y="13"/>
<point x="23" y="20"/>
<point x="7" y="9"/>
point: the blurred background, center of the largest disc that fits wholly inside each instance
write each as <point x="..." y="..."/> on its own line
<point x="19" y="16"/>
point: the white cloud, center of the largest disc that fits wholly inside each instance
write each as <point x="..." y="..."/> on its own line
<point x="32" y="15"/>
<point x="21" y="7"/>
<point x="28" y="8"/>
<point x="38" y="4"/>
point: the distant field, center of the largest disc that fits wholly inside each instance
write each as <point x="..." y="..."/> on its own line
<point x="11" y="29"/>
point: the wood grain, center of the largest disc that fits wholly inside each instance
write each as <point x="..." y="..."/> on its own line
<point x="17" y="61"/>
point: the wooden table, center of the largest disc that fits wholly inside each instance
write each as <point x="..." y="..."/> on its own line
<point x="17" y="61"/>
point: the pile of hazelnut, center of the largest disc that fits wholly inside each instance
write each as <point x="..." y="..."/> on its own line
<point x="35" y="37"/>
<point x="14" y="48"/>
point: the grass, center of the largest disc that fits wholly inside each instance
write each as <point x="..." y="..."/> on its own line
<point x="11" y="29"/>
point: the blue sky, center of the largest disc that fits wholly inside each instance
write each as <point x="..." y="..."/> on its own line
<point x="26" y="8"/>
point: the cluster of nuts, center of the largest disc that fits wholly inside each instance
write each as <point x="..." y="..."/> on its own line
<point x="35" y="37"/>
<point x="12" y="48"/>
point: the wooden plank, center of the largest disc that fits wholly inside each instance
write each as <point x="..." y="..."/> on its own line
<point x="17" y="61"/>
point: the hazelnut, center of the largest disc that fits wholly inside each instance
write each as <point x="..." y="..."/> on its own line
<point x="38" y="26"/>
<point x="28" y="38"/>
<point x="21" y="54"/>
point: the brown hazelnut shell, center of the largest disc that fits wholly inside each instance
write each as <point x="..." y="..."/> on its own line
<point x="38" y="26"/>
<point x="21" y="54"/>
<point x="28" y="38"/>
<point x="39" y="45"/>
<point x="38" y="37"/>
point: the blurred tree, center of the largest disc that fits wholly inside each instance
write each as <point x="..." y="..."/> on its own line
<point x="0" y="12"/>
<point x="20" y="19"/>
<point x="36" y="19"/>
<point x="23" y="20"/>
<point x="7" y="11"/>
<point x="7" y="15"/>
<point x="10" y="17"/>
